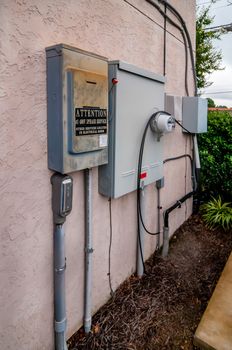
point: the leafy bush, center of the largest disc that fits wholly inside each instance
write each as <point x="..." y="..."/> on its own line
<point x="217" y="214"/>
<point x="215" y="149"/>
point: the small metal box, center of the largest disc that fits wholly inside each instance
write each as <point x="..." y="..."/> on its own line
<point x="136" y="96"/>
<point x="77" y="102"/>
<point x="194" y="114"/>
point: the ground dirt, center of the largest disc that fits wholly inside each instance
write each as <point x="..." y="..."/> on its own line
<point x="162" y="310"/>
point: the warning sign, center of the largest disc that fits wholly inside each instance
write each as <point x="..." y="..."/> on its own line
<point x="90" y="121"/>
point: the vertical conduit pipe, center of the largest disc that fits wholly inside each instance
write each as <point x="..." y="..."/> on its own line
<point x="140" y="244"/>
<point x="88" y="250"/>
<point x="196" y="157"/>
<point x="59" y="288"/>
<point x="158" y="216"/>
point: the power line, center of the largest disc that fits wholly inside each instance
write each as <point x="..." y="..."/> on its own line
<point x="226" y="27"/>
<point x="217" y="92"/>
<point x="220" y="7"/>
<point x="208" y="2"/>
<point x="229" y="3"/>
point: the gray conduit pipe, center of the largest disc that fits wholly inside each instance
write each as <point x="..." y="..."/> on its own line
<point x="88" y="250"/>
<point x="140" y="244"/>
<point x="196" y="157"/>
<point x="59" y="288"/>
<point x="158" y="216"/>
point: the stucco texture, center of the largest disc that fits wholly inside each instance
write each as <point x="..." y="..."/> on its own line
<point x="117" y="30"/>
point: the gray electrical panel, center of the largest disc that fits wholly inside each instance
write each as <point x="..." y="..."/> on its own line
<point x="194" y="114"/>
<point x="77" y="103"/>
<point x="136" y="95"/>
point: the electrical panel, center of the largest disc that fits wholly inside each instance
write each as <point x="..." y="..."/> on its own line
<point x="134" y="95"/>
<point x="77" y="103"/>
<point x="194" y="114"/>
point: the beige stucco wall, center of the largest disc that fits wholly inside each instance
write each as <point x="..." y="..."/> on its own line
<point x="114" y="29"/>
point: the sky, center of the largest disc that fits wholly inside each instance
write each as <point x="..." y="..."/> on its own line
<point x="222" y="80"/>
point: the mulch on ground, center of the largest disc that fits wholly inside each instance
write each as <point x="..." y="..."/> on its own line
<point x="162" y="310"/>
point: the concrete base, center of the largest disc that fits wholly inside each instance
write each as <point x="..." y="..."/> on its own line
<point x="215" y="329"/>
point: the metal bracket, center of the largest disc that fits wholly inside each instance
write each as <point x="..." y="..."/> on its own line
<point x="61" y="269"/>
<point x="61" y="325"/>
<point x="89" y="250"/>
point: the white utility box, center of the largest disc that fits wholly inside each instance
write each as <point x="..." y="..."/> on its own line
<point x="134" y="95"/>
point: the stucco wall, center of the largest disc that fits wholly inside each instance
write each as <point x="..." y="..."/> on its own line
<point x="117" y="30"/>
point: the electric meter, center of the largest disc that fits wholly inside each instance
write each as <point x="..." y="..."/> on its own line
<point x="162" y="123"/>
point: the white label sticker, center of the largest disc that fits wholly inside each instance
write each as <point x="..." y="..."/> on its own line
<point x="103" y="140"/>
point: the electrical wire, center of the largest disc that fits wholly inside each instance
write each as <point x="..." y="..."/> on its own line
<point x="110" y="245"/>
<point x="178" y="157"/>
<point x="151" y="19"/>
<point x="186" y="155"/>
<point x="185" y="179"/>
<point x="165" y="41"/>
<point x="169" y="19"/>
<point x="177" y="122"/>
<point x="176" y="205"/>
<point x="140" y="246"/>
<point x="181" y="20"/>
<point x="139" y="213"/>
<point x="139" y="173"/>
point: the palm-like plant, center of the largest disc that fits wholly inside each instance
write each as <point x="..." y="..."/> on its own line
<point x="217" y="214"/>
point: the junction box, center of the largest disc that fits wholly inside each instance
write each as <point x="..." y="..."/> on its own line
<point x="77" y="109"/>
<point x="194" y="114"/>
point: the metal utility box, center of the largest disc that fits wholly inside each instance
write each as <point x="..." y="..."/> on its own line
<point x="136" y="96"/>
<point x="77" y="108"/>
<point x="194" y="114"/>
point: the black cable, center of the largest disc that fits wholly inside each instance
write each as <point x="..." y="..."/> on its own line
<point x="186" y="155"/>
<point x="139" y="173"/>
<point x="165" y="41"/>
<point x="139" y="213"/>
<point x="183" y="36"/>
<point x="177" y="122"/>
<point x="140" y="246"/>
<point x="176" y="205"/>
<point x="111" y="234"/>
<point x="178" y="157"/>
<point x="180" y="18"/>
<point x="185" y="179"/>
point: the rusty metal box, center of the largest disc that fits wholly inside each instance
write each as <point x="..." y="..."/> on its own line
<point x="77" y="106"/>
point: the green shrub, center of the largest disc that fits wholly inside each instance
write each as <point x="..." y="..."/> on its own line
<point x="215" y="149"/>
<point x="217" y="214"/>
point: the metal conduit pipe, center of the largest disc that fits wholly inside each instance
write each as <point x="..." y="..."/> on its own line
<point x="62" y="189"/>
<point x="196" y="157"/>
<point x="158" y="216"/>
<point x="59" y="288"/>
<point x="88" y="250"/>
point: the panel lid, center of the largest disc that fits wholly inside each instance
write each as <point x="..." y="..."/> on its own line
<point x="138" y="71"/>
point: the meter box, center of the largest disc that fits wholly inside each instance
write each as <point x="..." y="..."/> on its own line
<point x="77" y="102"/>
<point x="194" y="114"/>
<point x="134" y="95"/>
